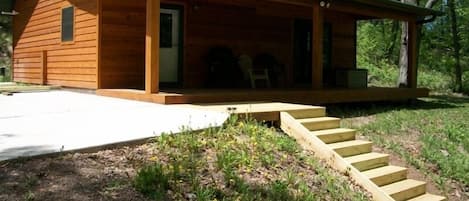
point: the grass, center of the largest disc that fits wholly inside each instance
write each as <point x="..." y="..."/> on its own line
<point x="243" y="160"/>
<point x="20" y="87"/>
<point x="387" y="75"/>
<point x="430" y="134"/>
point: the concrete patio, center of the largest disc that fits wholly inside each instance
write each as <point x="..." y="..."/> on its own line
<point x="59" y="121"/>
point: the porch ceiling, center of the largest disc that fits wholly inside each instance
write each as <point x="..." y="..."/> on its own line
<point x="7" y="5"/>
<point x="388" y="5"/>
<point x="399" y="6"/>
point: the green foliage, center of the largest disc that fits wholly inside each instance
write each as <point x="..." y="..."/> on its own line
<point x="387" y="75"/>
<point x="430" y="135"/>
<point x="152" y="181"/>
<point x="378" y="49"/>
<point x="242" y="160"/>
<point x="5" y="45"/>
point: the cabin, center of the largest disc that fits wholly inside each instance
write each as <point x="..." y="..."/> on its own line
<point x="200" y="51"/>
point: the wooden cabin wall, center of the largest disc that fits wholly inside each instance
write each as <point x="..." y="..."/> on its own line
<point x="247" y="30"/>
<point x="123" y="44"/>
<point x="37" y="29"/>
<point x="238" y="28"/>
<point x="344" y="36"/>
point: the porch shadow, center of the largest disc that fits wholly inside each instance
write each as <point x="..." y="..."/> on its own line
<point x="350" y="110"/>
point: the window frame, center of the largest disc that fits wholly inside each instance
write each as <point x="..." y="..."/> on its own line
<point x="72" y="41"/>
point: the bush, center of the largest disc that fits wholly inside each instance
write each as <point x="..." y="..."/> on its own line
<point x="152" y="181"/>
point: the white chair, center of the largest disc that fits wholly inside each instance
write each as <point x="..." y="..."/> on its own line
<point x="251" y="74"/>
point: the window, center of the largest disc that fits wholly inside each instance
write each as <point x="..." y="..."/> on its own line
<point x="68" y="14"/>
<point x="166" y="30"/>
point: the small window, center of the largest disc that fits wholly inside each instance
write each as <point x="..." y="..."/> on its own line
<point x="166" y="30"/>
<point x="68" y="24"/>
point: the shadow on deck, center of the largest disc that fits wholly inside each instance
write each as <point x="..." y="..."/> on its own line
<point x="301" y="96"/>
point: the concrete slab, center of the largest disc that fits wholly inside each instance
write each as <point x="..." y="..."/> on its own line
<point x="48" y="122"/>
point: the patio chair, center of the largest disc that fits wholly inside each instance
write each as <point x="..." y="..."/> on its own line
<point x="251" y="74"/>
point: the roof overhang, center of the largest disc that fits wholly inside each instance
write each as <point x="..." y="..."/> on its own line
<point x="399" y="7"/>
<point x="7" y="5"/>
<point x="369" y="9"/>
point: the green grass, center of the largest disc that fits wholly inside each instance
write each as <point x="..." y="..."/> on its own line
<point x="20" y="87"/>
<point x="243" y="160"/>
<point x="431" y="134"/>
<point x="387" y="75"/>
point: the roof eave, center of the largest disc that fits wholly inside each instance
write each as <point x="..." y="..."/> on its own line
<point x="402" y="7"/>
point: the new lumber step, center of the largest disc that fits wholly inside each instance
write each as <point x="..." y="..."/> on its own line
<point x="335" y="135"/>
<point x="406" y="189"/>
<point x="320" y="123"/>
<point x="308" y="113"/>
<point x="386" y="175"/>
<point x="428" y="197"/>
<point x="368" y="161"/>
<point x="351" y="148"/>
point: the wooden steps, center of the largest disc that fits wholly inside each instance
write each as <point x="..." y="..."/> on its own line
<point x="368" y="161"/>
<point x="320" y="123"/>
<point x="352" y="148"/>
<point x="344" y="152"/>
<point x="406" y="189"/>
<point x="428" y="197"/>
<point x="335" y="135"/>
<point x="386" y="175"/>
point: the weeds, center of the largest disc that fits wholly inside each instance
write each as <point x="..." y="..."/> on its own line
<point x="242" y="160"/>
<point x="431" y="135"/>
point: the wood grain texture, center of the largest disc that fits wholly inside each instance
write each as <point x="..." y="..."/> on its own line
<point x="37" y="44"/>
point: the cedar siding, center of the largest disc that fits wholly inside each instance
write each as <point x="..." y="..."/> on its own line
<point x="249" y="29"/>
<point x="123" y="44"/>
<point x="38" y="31"/>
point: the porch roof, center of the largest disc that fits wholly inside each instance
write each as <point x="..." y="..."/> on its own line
<point x="399" y="6"/>
<point x="391" y="5"/>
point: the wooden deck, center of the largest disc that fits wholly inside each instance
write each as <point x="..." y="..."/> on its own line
<point x="301" y="96"/>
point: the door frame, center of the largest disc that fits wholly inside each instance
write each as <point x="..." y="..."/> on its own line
<point x="180" y="67"/>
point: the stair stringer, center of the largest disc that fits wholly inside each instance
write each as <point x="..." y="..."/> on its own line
<point x="295" y="129"/>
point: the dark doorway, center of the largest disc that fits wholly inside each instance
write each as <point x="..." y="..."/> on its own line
<point x="302" y="52"/>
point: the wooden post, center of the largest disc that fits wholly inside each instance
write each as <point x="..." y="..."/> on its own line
<point x="99" y="21"/>
<point x="43" y="73"/>
<point x="317" y="46"/>
<point x="152" y="47"/>
<point x="412" y="55"/>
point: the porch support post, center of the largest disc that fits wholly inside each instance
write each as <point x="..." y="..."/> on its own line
<point x="152" y="47"/>
<point x="317" y="46"/>
<point x="412" y="54"/>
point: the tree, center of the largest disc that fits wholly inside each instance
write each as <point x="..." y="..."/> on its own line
<point x="456" y="46"/>
<point x="6" y="49"/>
<point x="403" y="61"/>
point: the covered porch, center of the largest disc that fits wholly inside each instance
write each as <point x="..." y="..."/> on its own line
<point x="311" y="84"/>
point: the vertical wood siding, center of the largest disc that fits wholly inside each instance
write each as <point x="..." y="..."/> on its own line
<point x="37" y="29"/>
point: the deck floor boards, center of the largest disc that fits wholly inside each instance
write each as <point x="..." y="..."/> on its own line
<point x="299" y="96"/>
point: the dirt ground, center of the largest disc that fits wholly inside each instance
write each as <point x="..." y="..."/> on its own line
<point x="104" y="175"/>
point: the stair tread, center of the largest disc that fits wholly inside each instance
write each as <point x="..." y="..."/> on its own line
<point x="364" y="157"/>
<point x="308" y="113"/>
<point x="332" y="131"/>
<point x="386" y="175"/>
<point x="381" y="171"/>
<point x="401" y="186"/>
<point x="428" y="197"/>
<point x="318" y="119"/>
<point x="350" y="143"/>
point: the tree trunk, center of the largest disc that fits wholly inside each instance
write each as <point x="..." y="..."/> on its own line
<point x="456" y="46"/>
<point x="403" y="56"/>
<point x="394" y="35"/>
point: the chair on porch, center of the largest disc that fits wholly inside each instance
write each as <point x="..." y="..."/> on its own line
<point x="251" y="74"/>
